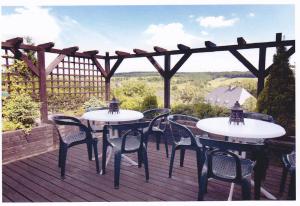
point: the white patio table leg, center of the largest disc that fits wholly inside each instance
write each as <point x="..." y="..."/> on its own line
<point x="231" y="192"/>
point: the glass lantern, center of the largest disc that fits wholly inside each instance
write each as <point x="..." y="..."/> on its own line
<point x="237" y="114"/>
<point x="113" y="106"/>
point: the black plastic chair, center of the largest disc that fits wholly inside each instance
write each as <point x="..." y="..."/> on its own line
<point x="222" y="164"/>
<point x="259" y="116"/>
<point x="183" y="138"/>
<point x="289" y="166"/>
<point x="92" y="125"/>
<point x="81" y="136"/>
<point x="129" y="140"/>
<point x="157" y="126"/>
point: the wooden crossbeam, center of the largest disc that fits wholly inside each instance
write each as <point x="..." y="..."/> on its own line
<point x="115" y="67"/>
<point x="179" y="64"/>
<point x="23" y="57"/>
<point x="159" y="49"/>
<point x="244" y="61"/>
<point x="139" y="51"/>
<point x="241" y="41"/>
<point x="99" y="67"/>
<point x="288" y="53"/>
<point x="122" y="54"/>
<point x="16" y="42"/>
<point x="183" y="47"/>
<point x="278" y="37"/>
<point x="54" y="63"/>
<point x="70" y="50"/>
<point x="91" y="52"/>
<point x="47" y="46"/>
<point x="210" y="44"/>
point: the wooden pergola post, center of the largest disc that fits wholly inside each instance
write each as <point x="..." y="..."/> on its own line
<point x="261" y="70"/>
<point x="42" y="85"/>
<point x="167" y="82"/>
<point x="107" y="78"/>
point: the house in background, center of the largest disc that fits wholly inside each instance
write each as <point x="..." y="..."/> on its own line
<point x="226" y="96"/>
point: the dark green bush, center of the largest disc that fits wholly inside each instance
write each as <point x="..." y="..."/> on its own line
<point x="149" y="102"/>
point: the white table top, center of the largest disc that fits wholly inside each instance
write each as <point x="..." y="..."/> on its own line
<point x="251" y="129"/>
<point x="104" y="116"/>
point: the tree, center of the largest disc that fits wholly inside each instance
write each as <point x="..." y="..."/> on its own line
<point x="278" y="96"/>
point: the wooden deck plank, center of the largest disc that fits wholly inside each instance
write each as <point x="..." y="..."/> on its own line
<point x="83" y="184"/>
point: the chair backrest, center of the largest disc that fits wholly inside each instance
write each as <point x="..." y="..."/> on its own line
<point x="259" y="116"/>
<point x="214" y="147"/>
<point x="126" y="130"/>
<point x="157" y="118"/>
<point x="68" y="121"/>
<point x="289" y="160"/>
<point x="179" y="130"/>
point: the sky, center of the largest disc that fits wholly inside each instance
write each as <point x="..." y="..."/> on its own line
<point x="125" y="27"/>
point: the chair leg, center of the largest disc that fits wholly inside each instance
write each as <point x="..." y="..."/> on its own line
<point x="145" y="160"/>
<point x="63" y="161"/>
<point x="140" y="157"/>
<point x="104" y="151"/>
<point x="200" y="163"/>
<point x="118" y="158"/>
<point x="157" y="141"/>
<point x="166" y="146"/>
<point x="246" y="189"/>
<point x="182" y="152"/>
<point x="292" y="186"/>
<point x="95" y="144"/>
<point x="59" y="155"/>
<point x="202" y="186"/>
<point x="172" y="161"/>
<point x="90" y="150"/>
<point x="283" y="179"/>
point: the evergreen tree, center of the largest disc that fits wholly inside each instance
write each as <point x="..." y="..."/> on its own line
<point x="278" y="96"/>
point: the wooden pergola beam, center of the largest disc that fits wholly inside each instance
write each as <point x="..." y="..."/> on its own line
<point x="70" y="50"/>
<point x="46" y="46"/>
<point x="159" y="49"/>
<point x="139" y="51"/>
<point x="183" y="47"/>
<point x="16" y="42"/>
<point x="98" y="65"/>
<point x="115" y="67"/>
<point x="91" y="52"/>
<point x="122" y="54"/>
<point x="210" y="44"/>
<point x="241" y="41"/>
<point x="244" y="61"/>
<point x="177" y="66"/>
<point x="278" y="37"/>
<point x="19" y="55"/>
<point x="54" y="63"/>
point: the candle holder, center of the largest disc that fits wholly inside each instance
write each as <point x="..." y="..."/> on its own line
<point x="237" y="114"/>
<point x="113" y="106"/>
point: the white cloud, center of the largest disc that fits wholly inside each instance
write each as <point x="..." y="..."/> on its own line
<point x="191" y="16"/>
<point x="216" y="21"/>
<point x="31" y="21"/>
<point x="251" y="14"/>
<point x="169" y="35"/>
<point x="204" y="33"/>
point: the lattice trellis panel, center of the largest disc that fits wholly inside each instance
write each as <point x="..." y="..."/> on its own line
<point x="31" y="83"/>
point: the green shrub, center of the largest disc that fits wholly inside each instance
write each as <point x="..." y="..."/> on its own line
<point x="94" y="102"/>
<point x="20" y="110"/>
<point x="149" y="102"/>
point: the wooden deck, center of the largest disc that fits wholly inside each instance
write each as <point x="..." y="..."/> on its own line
<point x="37" y="179"/>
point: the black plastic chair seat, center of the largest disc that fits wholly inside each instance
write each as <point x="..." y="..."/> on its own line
<point x="132" y="143"/>
<point x="187" y="141"/>
<point x="75" y="137"/>
<point x="96" y="128"/>
<point x="225" y="166"/>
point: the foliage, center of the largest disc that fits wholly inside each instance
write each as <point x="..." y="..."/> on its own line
<point x="200" y="110"/>
<point x="94" y="102"/>
<point x="21" y="111"/>
<point x="278" y="96"/>
<point x="62" y="103"/>
<point x="250" y="104"/>
<point x="149" y="102"/>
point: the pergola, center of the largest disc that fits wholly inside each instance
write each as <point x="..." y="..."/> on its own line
<point x="107" y="70"/>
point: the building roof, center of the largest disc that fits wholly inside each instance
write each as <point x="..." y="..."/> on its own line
<point x="226" y="96"/>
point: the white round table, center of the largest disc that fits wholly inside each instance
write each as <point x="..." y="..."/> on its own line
<point x="103" y="116"/>
<point x="251" y="129"/>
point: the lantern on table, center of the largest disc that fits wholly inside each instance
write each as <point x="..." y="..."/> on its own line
<point x="113" y="106"/>
<point x="236" y="115"/>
